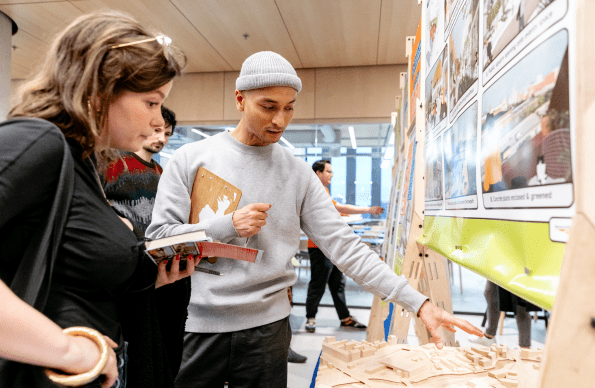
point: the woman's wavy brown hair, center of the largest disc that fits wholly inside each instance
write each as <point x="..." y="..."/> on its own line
<point x="83" y="72"/>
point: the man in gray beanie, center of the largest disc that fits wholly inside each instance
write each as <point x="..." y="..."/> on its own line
<point x="238" y="327"/>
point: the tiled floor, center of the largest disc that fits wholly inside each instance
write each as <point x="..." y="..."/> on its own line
<point x="310" y="344"/>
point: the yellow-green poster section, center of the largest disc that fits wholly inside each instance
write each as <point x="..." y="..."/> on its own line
<point x="501" y="251"/>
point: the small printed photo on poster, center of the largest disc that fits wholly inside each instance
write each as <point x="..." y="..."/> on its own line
<point x="436" y="87"/>
<point x="450" y="6"/>
<point x="434" y="30"/>
<point x="505" y="19"/>
<point x="525" y="131"/>
<point x="433" y="156"/>
<point x="460" y="144"/>
<point x="464" y="52"/>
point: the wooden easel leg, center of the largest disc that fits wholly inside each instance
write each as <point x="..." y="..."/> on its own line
<point x="570" y="352"/>
<point x="436" y="272"/>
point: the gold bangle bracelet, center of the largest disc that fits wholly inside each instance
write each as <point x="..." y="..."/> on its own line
<point x="87" y="377"/>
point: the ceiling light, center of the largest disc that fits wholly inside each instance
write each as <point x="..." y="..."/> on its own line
<point x="200" y="132"/>
<point x="352" y="135"/>
<point x="287" y="143"/>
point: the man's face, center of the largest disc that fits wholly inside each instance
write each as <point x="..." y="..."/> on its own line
<point x="158" y="139"/>
<point x="267" y="112"/>
<point x="326" y="175"/>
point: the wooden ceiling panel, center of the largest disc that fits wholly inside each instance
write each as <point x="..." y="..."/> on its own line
<point x="18" y="72"/>
<point x="5" y="2"/>
<point x="309" y="33"/>
<point x="398" y="19"/>
<point x="27" y="53"/>
<point x="42" y="20"/>
<point x="225" y="23"/>
<point x="165" y="17"/>
<point x="329" y="33"/>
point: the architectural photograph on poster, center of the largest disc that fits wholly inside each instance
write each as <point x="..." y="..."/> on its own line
<point x="433" y="156"/>
<point x="450" y="7"/>
<point x="436" y="103"/>
<point x="525" y="133"/>
<point x="460" y="144"/>
<point x="434" y="30"/>
<point x="464" y="56"/>
<point x="517" y="21"/>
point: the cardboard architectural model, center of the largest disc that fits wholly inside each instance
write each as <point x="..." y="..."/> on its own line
<point x="389" y="364"/>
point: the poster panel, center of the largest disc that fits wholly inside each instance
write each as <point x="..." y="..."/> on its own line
<point x="388" y="238"/>
<point x="392" y="224"/>
<point x="397" y="259"/>
<point x="406" y="200"/>
<point x="434" y="198"/>
<point x="507" y="147"/>
<point x="463" y="45"/>
<point x="436" y="103"/>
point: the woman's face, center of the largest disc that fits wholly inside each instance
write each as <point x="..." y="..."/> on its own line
<point x="133" y="117"/>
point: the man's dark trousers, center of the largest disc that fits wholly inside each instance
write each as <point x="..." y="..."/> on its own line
<point x="323" y="272"/>
<point x="251" y="358"/>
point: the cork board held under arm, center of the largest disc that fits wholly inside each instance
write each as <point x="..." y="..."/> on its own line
<point x="212" y="196"/>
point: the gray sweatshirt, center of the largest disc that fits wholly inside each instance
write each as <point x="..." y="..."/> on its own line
<point x="255" y="294"/>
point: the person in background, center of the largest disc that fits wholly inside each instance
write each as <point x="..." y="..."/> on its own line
<point x="130" y="182"/>
<point x="493" y="295"/>
<point x="323" y="271"/>
<point x="67" y="259"/>
<point x="238" y="324"/>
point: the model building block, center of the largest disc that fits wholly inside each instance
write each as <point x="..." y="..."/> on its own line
<point x="389" y="364"/>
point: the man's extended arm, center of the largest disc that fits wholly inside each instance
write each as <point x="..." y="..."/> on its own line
<point x="339" y="243"/>
<point x="352" y="209"/>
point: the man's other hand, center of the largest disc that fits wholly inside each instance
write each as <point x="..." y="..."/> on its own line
<point x="376" y="210"/>
<point x="250" y="219"/>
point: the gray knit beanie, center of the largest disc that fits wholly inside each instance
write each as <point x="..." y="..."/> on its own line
<point x="265" y="69"/>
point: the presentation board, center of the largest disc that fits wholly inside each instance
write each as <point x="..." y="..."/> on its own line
<point x="499" y="138"/>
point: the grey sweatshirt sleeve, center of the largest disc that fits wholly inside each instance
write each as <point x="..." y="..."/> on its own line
<point x="323" y="224"/>
<point x="172" y="205"/>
